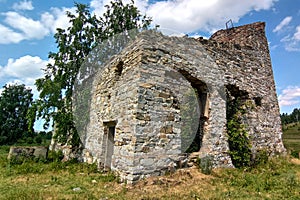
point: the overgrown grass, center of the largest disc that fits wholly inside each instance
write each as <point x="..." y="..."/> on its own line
<point x="51" y="179"/>
<point x="276" y="179"/>
<point x="291" y="138"/>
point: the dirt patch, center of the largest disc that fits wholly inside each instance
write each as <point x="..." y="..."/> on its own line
<point x="181" y="183"/>
<point x="21" y="179"/>
<point x="295" y="161"/>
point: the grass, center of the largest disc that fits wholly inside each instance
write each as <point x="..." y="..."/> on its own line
<point x="277" y="179"/>
<point x="51" y="180"/>
<point x="291" y="137"/>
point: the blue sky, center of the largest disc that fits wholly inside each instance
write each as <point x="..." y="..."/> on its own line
<point x="27" y="28"/>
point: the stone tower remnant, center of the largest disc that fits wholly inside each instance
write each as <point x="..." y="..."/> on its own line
<point x="136" y="114"/>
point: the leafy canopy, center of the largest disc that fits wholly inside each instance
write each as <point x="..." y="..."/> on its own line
<point x="74" y="43"/>
<point x="15" y="101"/>
<point x="293" y="117"/>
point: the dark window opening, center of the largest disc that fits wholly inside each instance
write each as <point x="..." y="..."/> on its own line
<point x="119" y="68"/>
<point x="257" y="101"/>
<point x="235" y="92"/>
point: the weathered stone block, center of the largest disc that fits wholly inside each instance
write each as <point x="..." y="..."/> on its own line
<point x="28" y="152"/>
<point x="167" y="129"/>
<point x="147" y="161"/>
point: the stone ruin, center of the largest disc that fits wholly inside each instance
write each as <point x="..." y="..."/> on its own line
<point x="136" y="121"/>
<point x="23" y="152"/>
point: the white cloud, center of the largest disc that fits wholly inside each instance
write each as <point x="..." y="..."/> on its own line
<point x="33" y="88"/>
<point x="24" y="69"/>
<point x="297" y="34"/>
<point x="289" y="96"/>
<point x="98" y="6"/>
<point x="283" y="23"/>
<point x="9" y="36"/>
<point x="181" y="15"/>
<point x="292" y="42"/>
<point x="193" y="15"/>
<point x="23" y="5"/>
<point x="30" y="28"/>
<point x="22" y="28"/>
<point x="56" y="18"/>
<point x="99" y="9"/>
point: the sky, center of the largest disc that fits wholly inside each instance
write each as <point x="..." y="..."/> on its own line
<point x="27" y="29"/>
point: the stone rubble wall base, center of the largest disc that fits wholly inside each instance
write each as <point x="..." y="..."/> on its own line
<point x="67" y="150"/>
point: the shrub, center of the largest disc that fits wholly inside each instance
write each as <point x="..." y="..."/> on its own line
<point x="260" y="158"/>
<point x="238" y="139"/>
<point x="29" y="140"/>
<point x="17" y="160"/>
<point x="38" y="139"/>
<point x="295" y="154"/>
<point x="239" y="143"/>
<point x="55" y="156"/>
<point x="21" y="141"/>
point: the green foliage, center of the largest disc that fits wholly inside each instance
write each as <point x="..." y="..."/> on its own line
<point x="55" y="156"/>
<point x="74" y="45"/>
<point x="261" y="157"/>
<point x="38" y="139"/>
<point x="295" y="154"/>
<point x="29" y="140"/>
<point x="238" y="143"/>
<point x="238" y="139"/>
<point x="294" y="117"/>
<point x="15" y="101"/>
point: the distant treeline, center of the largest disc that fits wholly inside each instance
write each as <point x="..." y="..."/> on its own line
<point x="290" y="118"/>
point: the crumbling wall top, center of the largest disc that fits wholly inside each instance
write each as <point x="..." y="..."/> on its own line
<point x="250" y="35"/>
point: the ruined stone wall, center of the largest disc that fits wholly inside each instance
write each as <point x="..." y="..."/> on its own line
<point x="143" y="90"/>
<point x="114" y="100"/>
<point x="158" y="128"/>
<point x="143" y="102"/>
<point x="189" y="58"/>
<point x="243" y="54"/>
